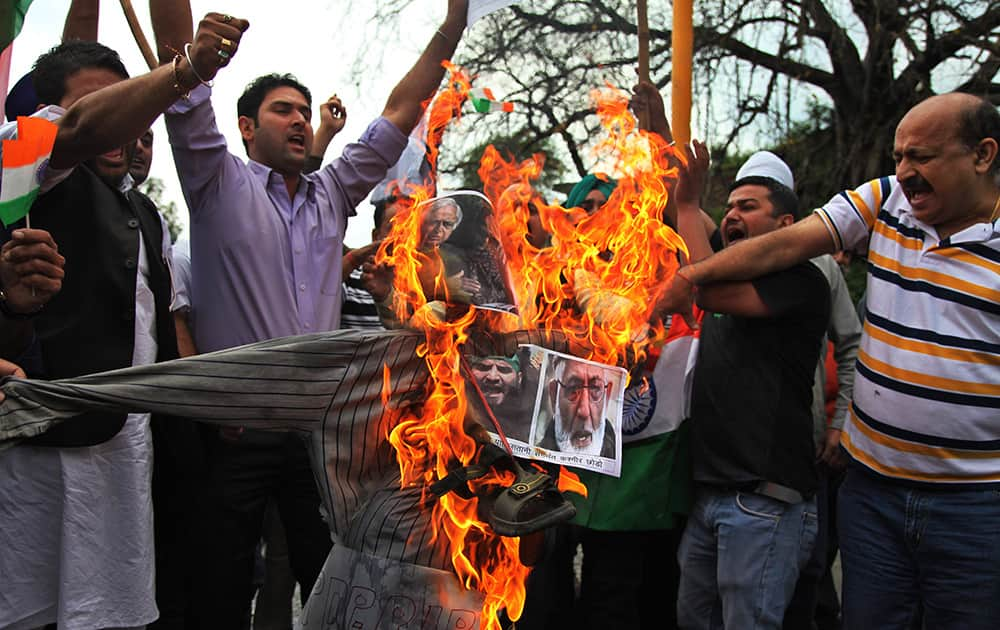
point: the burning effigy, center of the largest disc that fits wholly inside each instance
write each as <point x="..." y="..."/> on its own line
<point x="427" y="509"/>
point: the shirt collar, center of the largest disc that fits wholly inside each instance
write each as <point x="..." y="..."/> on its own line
<point x="127" y="183"/>
<point x="265" y="174"/>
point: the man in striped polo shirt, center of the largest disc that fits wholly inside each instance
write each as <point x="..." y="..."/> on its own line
<point x="919" y="512"/>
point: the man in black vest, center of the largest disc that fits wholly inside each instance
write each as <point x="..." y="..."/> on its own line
<point x="82" y="497"/>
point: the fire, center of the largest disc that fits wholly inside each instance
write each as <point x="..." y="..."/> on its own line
<point x="596" y="285"/>
<point x="600" y="277"/>
<point x="445" y="107"/>
<point x="570" y="482"/>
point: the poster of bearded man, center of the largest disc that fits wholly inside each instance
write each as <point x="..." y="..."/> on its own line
<point x="550" y="406"/>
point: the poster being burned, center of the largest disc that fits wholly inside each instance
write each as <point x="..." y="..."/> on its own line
<point x="460" y="257"/>
<point x="550" y="406"/>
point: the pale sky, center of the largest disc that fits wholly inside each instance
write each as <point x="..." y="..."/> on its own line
<point x="317" y="40"/>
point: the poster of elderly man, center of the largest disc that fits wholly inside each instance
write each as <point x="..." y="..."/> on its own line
<point x="458" y="244"/>
<point x="550" y="406"/>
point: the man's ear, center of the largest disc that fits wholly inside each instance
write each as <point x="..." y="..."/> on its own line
<point x="553" y="391"/>
<point x="247" y="128"/>
<point x="986" y="153"/>
<point x="785" y="220"/>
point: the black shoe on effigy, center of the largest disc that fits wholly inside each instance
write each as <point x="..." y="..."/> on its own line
<point x="530" y="504"/>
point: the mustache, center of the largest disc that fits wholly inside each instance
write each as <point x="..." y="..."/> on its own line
<point x="916" y="184"/>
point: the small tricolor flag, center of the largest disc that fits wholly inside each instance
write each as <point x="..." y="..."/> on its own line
<point x="11" y="19"/>
<point x="484" y="102"/>
<point x="23" y="159"/>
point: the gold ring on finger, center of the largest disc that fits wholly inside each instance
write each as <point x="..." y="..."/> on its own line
<point x="226" y="44"/>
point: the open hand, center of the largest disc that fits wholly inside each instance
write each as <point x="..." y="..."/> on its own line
<point x="693" y="175"/>
<point x="462" y="283"/>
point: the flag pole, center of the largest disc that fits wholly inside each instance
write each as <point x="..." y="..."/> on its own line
<point x="682" y="43"/>
<point x="643" y="29"/>
<point x="140" y="38"/>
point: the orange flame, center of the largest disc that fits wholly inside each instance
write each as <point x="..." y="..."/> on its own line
<point x="596" y="284"/>
<point x="598" y="280"/>
<point x="570" y="482"/>
<point x="444" y="108"/>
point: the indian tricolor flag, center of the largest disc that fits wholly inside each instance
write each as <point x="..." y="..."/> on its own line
<point x="22" y="163"/>
<point x="484" y="101"/>
<point x="11" y="19"/>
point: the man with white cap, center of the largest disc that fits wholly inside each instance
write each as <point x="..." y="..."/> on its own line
<point x="844" y="331"/>
<point x="753" y="524"/>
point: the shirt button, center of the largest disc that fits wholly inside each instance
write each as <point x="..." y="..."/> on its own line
<point x="133" y="223"/>
<point x="302" y="287"/>
<point x="130" y="263"/>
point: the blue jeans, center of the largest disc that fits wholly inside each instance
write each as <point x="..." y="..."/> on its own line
<point x="740" y="557"/>
<point x="908" y="551"/>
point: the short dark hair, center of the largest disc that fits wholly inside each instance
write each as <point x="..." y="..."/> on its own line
<point x="249" y="102"/>
<point x="53" y="68"/>
<point x="380" y="207"/>
<point x="783" y="198"/>
<point x="978" y="122"/>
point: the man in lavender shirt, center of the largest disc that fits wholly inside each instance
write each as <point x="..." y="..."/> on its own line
<point x="266" y="247"/>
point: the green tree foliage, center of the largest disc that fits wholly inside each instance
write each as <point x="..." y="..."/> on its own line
<point x="760" y="66"/>
<point x="153" y="188"/>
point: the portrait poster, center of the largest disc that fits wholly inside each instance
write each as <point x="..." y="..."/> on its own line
<point x="461" y="258"/>
<point x="552" y="407"/>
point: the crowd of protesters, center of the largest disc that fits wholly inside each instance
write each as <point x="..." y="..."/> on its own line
<point x="732" y="519"/>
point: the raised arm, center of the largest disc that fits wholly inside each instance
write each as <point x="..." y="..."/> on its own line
<point x="767" y="253"/>
<point x="646" y="98"/>
<point x="745" y="260"/>
<point x="332" y="118"/>
<point x="172" y="26"/>
<point x="120" y="113"/>
<point x="81" y="21"/>
<point x="404" y="107"/>
<point x="693" y="224"/>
